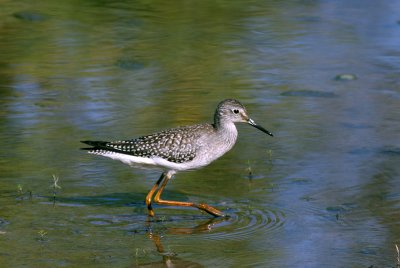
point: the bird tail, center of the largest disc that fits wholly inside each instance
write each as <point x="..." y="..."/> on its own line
<point x="96" y="145"/>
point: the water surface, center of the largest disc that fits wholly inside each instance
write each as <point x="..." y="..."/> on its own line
<point x="321" y="75"/>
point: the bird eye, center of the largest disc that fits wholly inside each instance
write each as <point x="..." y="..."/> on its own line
<point x="235" y="111"/>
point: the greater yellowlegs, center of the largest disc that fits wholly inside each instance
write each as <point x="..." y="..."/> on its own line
<point x="181" y="148"/>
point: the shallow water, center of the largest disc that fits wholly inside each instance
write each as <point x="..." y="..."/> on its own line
<point x="321" y="75"/>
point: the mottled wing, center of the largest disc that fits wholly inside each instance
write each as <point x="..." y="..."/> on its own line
<point x="176" y="145"/>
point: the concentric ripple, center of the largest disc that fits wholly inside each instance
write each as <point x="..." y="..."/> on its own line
<point x="245" y="221"/>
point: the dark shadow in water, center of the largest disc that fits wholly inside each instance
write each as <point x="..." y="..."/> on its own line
<point x="171" y="259"/>
<point x="205" y="226"/>
<point x="134" y="200"/>
<point x="108" y="200"/>
<point x="168" y="259"/>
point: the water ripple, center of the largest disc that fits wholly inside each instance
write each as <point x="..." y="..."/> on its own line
<point x="246" y="221"/>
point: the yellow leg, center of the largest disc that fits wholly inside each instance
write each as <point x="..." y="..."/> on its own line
<point x="157" y="198"/>
<point x="150" y="195"/>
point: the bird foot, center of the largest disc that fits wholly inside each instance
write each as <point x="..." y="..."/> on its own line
<point x="210" y="210"/>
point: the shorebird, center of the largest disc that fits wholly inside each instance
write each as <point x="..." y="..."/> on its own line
<point x="178" y="149"/>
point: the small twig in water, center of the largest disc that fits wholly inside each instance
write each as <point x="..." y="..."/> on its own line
<point x="269" y="152"/>
<point x="55" y="187"/>
<point x="20" y="191"/>
<point x="249" y="170"/>
<point x="42" y="235"/>
<point x="398" y="255"/>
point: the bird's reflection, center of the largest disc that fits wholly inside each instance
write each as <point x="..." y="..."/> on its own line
<point x="206" y="226"/>
<point x="171" y="259"/>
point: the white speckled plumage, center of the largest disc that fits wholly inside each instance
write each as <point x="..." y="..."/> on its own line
<point x="181" y="148"/>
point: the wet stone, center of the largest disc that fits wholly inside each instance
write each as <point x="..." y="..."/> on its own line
<point x="345" y="77"/>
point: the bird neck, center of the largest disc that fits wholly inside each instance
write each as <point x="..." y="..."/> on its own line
<point x="226" y="129"/>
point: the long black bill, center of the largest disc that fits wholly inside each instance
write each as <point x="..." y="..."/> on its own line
<point x="251" y="122"/>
